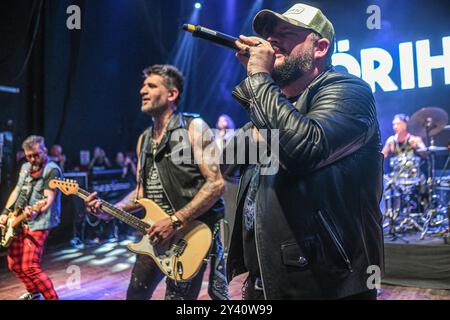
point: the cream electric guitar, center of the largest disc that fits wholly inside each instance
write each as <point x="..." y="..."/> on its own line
<point x="180" y="259"/>
<point x="15" y="218"/>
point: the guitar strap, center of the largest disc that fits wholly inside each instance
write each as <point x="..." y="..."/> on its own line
<point x="144" y="146"/>
<point x="27" y="189"/>
<point x="25" y="192"/>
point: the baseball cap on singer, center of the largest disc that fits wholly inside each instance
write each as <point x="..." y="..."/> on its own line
<point x="300" y="15"/>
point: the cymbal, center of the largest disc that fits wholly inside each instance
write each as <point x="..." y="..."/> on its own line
<point x="435" y="118"/>
<point x="432" y="149"/>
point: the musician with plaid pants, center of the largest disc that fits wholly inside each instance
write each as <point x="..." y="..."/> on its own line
<point x="25" y="252"/>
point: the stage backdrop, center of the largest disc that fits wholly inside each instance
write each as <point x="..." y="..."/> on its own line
<point x="80" y="88"/>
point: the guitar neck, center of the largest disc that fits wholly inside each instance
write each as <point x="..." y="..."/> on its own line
<point x="122" y="215"/>
<point x="19" y="219"/>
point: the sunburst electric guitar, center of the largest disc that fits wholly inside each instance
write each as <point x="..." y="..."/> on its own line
<point x="180" y="259"/>
<point x="15" y="218"/>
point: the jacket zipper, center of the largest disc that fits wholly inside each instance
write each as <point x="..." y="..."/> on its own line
<point x="257" y="255"/>
<point x="256" y="245"/>
<point x="238" y="190"/>
<point x="336" y="241"/>
<point x="259" y="117"/>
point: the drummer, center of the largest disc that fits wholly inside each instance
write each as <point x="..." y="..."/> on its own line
<point x="402" y="142"/>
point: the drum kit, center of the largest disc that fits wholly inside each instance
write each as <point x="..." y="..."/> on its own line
<point x="415" y="199"/>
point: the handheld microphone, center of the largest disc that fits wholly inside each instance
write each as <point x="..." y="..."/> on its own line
<point x="216" y="37"/>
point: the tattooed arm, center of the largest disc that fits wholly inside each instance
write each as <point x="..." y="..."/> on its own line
<point x="206" y="155"/>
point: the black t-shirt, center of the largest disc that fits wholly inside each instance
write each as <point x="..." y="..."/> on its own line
<point x="153" y="188"/>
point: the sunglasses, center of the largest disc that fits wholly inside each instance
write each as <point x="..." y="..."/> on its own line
<point x="33" y="155"/>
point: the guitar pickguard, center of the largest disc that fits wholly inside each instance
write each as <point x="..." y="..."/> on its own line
<point x="165" y="256"/>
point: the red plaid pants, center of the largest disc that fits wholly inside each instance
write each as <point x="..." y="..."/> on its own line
<point x="24" y="260"/>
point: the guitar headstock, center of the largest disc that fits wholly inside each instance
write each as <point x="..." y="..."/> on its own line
<point x="66" y="186"/>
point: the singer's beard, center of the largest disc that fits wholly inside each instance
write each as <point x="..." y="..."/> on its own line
<point x="38" y="166"/>
<point x="293" y="68"/>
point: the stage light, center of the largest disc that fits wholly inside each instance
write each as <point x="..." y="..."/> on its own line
<point x="83" y="259"/>
<point x="69" y="256"/>
<point x="126" y="241"/>
<point x="101" y="262"/>
<point x="116" y="252"/>
<point x="184" y="50"/>
<point x="65" y="251"/>
<point x="227" y="75"/>
<point x="120" y="267"/>
<point x="105" y="248"/>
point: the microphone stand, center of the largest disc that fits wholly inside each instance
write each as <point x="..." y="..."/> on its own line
<point x="446" y="236"/>
<point x="432" y="209"/>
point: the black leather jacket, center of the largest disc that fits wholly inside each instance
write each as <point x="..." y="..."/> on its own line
<point x="181" y="181"/>
<point x="318" y="222"/>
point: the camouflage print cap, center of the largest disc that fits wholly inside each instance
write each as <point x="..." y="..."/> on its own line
<point x="300" y="15"/>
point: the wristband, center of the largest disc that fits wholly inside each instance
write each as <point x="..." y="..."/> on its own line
<point x="176" y="223"/>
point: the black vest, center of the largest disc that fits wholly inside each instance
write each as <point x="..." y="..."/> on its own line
<point x="181" y="181"/>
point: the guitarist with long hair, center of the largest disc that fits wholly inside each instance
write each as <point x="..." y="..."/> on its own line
<point x="185" y="190"/>
<point x="25" y="250"/>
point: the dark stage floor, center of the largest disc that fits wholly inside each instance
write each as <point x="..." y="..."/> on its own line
<point x="421" y="263"/>
<point x="105" y="271"/>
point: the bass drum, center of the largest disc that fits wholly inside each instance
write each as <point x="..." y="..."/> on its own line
<point x="406" y="170"/>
